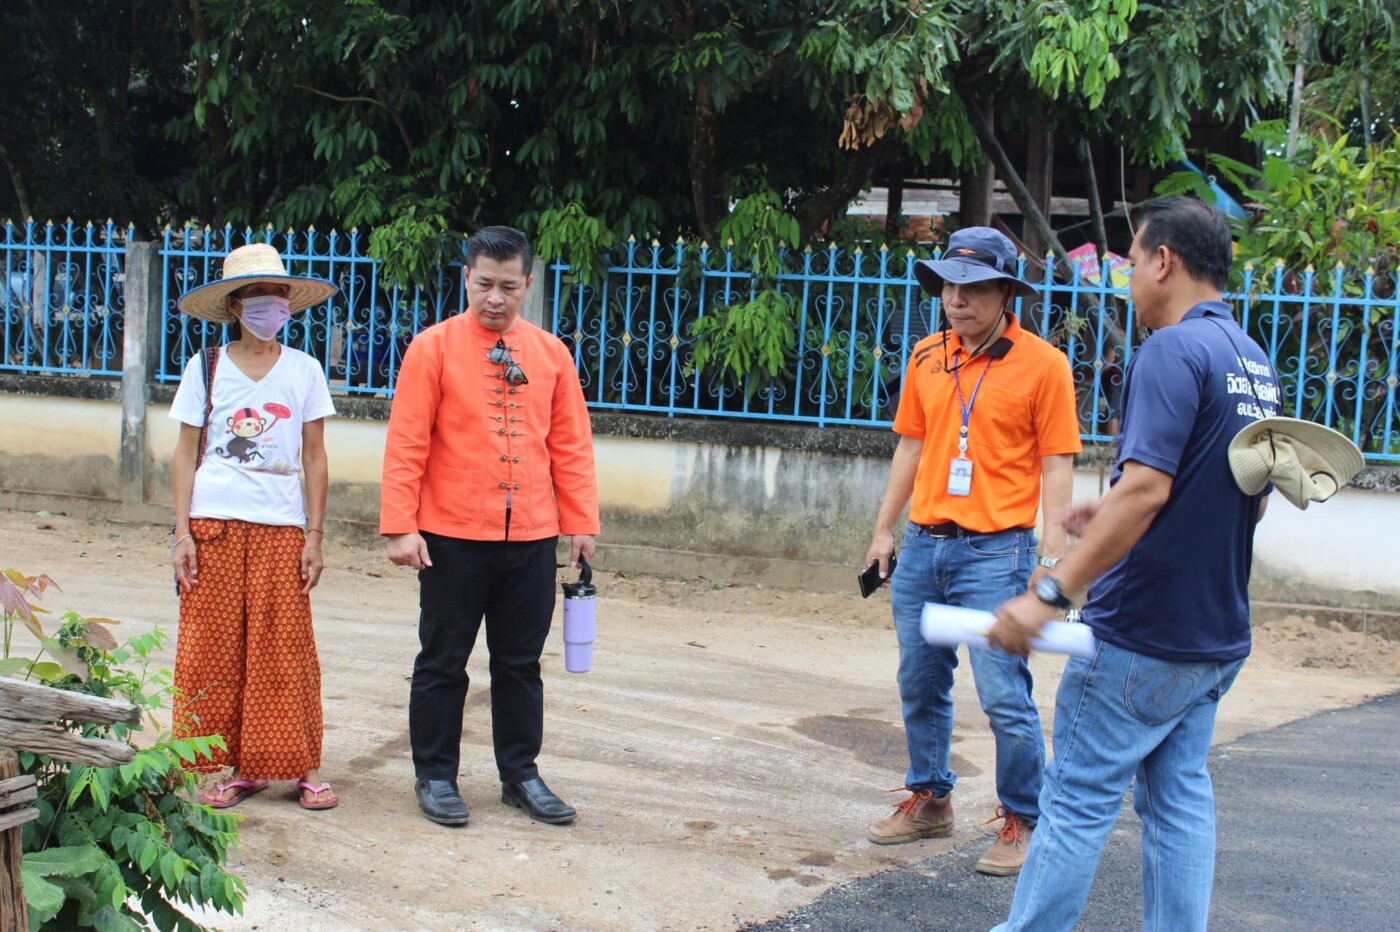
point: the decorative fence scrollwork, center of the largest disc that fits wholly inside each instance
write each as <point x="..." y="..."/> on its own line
<point x="1333" y="336"/>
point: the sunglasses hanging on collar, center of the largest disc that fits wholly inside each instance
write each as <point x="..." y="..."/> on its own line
<point x="499" y="355"/>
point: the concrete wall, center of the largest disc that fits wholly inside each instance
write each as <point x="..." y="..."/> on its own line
<point x="737" y="502"/>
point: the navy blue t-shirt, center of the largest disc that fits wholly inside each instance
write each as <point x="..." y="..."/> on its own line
<point x="1182" y="593"/>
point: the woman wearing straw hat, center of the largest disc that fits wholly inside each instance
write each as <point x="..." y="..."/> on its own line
<point x="247" y="547"/>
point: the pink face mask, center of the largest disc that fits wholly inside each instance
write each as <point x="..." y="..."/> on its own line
<point x="265" y="315"/>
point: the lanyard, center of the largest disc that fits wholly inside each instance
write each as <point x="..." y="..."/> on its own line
<point x="966" y="405"/>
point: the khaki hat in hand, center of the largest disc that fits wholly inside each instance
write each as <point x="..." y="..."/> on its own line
<point x="1306" y="462"/>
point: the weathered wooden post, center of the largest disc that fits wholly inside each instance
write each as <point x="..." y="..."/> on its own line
<point x="28" y="712"/>
<point x="15" y="792"/>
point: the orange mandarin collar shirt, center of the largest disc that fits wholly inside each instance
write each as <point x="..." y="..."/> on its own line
<point x="464" y="445"/>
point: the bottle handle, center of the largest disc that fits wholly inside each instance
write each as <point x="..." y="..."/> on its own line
<point x="585" y="570"/>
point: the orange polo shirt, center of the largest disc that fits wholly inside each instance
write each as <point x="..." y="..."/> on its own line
<point x="1024" y="410"/>
<point x="464" y="444"/>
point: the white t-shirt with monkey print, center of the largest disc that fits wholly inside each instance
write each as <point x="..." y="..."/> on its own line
<point x="252" y="459"/>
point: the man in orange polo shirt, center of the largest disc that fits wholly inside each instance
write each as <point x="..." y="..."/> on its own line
<point x="988" y="433"/>
<point x="489" y="458"/>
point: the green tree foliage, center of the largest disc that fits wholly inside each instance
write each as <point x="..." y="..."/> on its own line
<point x="89" y="89"/>
<point x="1138" y="73"/>
<point x="1352" y="66"/>
<point x="1324" y="206"/>
<point x="428" y="118"/>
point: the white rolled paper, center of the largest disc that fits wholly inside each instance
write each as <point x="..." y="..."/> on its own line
<point x="949" y="626"/>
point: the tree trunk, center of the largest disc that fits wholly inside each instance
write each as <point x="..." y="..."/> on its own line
<point x="987" y="136"/>
<point x="975" y="195"/>
<point x="820" y="207"/>
<point x="975" y="187"/>
<point x="214" y="124"/>
<point x="1364" y="92"/>
<point x="894" y="202"/>
<point x="703" y="146"/>
<point x="1086" y="155"/>
<point x="26" y="208"/>
<point x="1295" y="105"/>
<point x="13" y="915"/>
<point x="1040" y="167"/>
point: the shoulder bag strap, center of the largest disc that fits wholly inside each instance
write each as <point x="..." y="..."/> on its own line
<point x="211" y="364"/>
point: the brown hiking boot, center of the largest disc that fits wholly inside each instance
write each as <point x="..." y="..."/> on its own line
<point x="1006" y="855"/>
<point x="922" y="815"/>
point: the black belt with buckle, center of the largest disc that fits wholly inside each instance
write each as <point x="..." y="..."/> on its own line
<point x="946" y="529"/>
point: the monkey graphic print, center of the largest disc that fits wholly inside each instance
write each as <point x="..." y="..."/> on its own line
<point x="252" y="460"/>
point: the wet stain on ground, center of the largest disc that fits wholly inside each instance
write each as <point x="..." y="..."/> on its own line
<point x="395" y="747"/>
<point x="803" y="880"/>
<point x="701" y="825"/>
<point x="818" y="859"/>
<point x="871" y="741"/>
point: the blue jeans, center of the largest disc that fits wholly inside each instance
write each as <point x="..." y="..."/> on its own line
<point x="1118" y="715"/>
<point x="974" y="571"/>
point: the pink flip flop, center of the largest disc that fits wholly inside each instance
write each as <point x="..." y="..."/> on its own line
<point x="328" y="802"/>
<point x="243" y="788"/>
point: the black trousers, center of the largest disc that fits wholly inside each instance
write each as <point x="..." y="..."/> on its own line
<point x="511" y="585"/>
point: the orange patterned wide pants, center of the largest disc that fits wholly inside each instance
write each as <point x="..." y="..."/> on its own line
<point x="245" y="661"/>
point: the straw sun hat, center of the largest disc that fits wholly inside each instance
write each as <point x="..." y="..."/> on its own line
<point x="246" y="265"/>
<point x="1306" y="462"/>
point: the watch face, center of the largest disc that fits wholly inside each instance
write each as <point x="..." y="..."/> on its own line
<point x="1047" y="590"/>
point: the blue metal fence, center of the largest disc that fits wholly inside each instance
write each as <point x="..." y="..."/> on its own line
<point x="1334" y="336"/>
<point x="359" y="334"/>
<point x="62" y="298"/>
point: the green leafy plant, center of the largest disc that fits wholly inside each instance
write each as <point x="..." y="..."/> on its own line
<point x="572" y="235"/>
<point x="752" y="342"/>
<point x="1329" y="203"/>
<point x="759" y="226"/>
<point x="115" y="848"/>
<point x="411" y="236"/>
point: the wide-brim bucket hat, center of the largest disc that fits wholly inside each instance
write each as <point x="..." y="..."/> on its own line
<point x="1306" y="462"/>
<point x="976" y="254"/>
<point x="247" y="265"/>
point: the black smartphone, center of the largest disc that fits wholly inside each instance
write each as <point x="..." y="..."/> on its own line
<point x="870" y="579"/>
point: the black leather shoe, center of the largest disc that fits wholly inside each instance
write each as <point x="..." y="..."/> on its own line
<point x="440" y="801"/>
<point x="537" y="801"/>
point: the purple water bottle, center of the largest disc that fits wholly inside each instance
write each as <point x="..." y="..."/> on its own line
<point x="580" y="620"/>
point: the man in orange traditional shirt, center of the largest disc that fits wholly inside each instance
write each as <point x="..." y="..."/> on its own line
<point x="489" y="458"/>
<point x="988" y="433"/>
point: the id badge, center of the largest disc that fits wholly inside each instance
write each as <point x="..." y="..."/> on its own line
<point x="960" y="476"/>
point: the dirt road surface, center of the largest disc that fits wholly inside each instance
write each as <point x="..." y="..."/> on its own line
<point x="726" y="752"/>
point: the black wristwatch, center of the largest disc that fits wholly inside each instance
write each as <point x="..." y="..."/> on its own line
<point x="1047" y="589"/>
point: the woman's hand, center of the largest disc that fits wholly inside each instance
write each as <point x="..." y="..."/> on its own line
<point x="311" y="563"/>
<point x="185" y="558"/>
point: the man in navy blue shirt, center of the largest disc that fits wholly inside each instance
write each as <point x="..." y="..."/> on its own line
<point x="1168" y="552"/>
